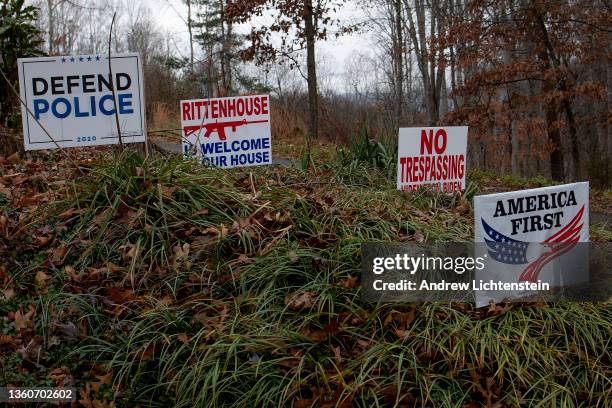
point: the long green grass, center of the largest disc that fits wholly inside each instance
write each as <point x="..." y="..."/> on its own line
<point x="208" y="288"/>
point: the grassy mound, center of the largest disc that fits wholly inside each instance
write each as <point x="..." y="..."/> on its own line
<point x="167" y="284"/>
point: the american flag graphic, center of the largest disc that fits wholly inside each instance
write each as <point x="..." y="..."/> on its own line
<point x="513" y="252"/>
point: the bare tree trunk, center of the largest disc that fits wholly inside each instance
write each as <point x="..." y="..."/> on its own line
<point x="440" y="95"/>
<point x="51" y="31"/>
<point x="222" y="59"/>
<point x="209" y="60"/>
<point x="209" y="69"/>
<point x="190" y="29"/>
<point x="408" y="64"/>
<point x="228" y="57"/>
<point x="514" y="140"/>
<point x="112" y="81"/>
<point x="225" y="58"/>
<point x="427" y="65"/>
<point x="552" y="57"/>
<point x="506" y="17"/>
<point x="453" y="78"/>
<point x="443" y="95"/>
<point x="574" y="143"/>
<point x="398" y="54"/>
<point x="606" y="145"/>
<point x="313" y="98"/>
<point x="431" y="56"/>
<point x="453" y="73"/>
<point x="557" y="171"/>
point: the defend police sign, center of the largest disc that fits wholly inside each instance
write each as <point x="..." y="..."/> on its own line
<point x="72" y="98"/>
<point x="433" y="157"/>
<point x="228" y="132"/>
<point x="532" y="235"/>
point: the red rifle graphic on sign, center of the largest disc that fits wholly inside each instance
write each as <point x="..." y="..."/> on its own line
<point x="219" y="127"/>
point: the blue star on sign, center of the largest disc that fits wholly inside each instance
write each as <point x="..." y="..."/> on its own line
<point x="81" y="59"/>
<point x="63" y="59"/>
<point x="505" y="249"/>
<point x="72" y="59"/>
<point x="89" y="58"/>
<point x="97" y="58"/>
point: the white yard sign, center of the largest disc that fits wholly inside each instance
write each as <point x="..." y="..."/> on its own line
<point x="72" y="99"/>
<point x="531" y="236"/>
<point x="433" y="157"/>
<point x="228" y="132"/>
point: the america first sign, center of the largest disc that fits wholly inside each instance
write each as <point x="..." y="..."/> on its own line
<point x="71" y="96"/>
<point x="533" y="236"/>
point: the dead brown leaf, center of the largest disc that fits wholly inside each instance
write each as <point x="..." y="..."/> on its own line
<point x="351" y="282"/>
<point x="289" y="362"/>
<point x="364" y="344"/>
<point x="315" y="335"/>
<point x="67" y="214"/>
<point x="221" y="232"/>
<point x="7" y="341"/>
<point x="72" y="273"/>
<point x="112" y="268"/>
<point x="129" y="251"/>
<point x="42" y="240"/>
<point x="496" y="309"/>
<point x="337" y="355"/>
<point x="216" y="322"/>
<point x="167" y="190"/>
<point x="23" y="321"/>
<point x="304" y="403"/>
<point x="3" y="223"/>
<point x="101" y="404"/>
<point x="87" y="401"/>
<point x="13" y="158"/>
<point x="120" y="296"/>
<point x="58" y="254"/>
<point x="34" y="199"/>
<point x="181" y="251"/>
<point x="16" y="179"/>
<point x="203" y="211"/>
<point x="57" y="375"/>
<point x="402" y="321"/>
<point x="41" y="279"/>
<point x="84" y="394"/>
<point x="8" y="293"/>
<point x="300" y="301"/>
<point x="102" y="380"/>
<point x="32" y="351"/>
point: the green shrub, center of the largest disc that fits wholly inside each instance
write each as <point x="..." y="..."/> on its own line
<point x="380" y="154"/>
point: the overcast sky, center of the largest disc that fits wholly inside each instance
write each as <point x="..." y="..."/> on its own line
<point x="171" y="14"/>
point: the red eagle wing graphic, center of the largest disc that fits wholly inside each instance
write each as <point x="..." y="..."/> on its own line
<point x="558" y="244"/>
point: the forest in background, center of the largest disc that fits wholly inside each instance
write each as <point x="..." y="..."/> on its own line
<point x="532" y="78"/>
<point x="142" y="279"/>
